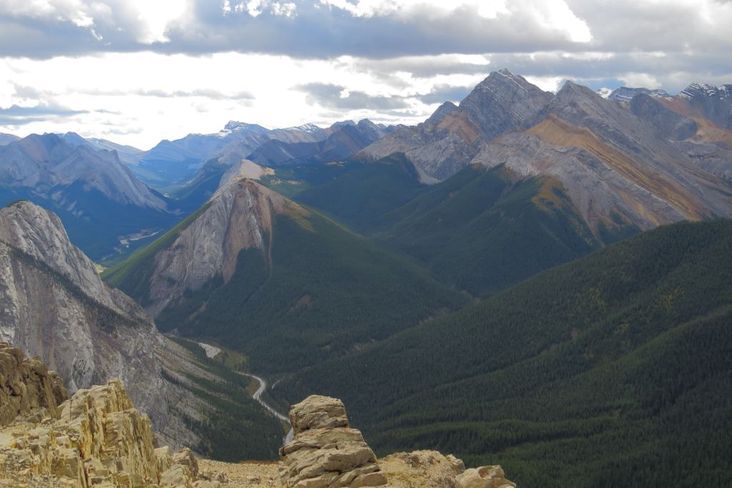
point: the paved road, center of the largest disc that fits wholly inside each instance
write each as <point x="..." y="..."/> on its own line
<point x="213" y="351"/>
<point x="258" y="397"/>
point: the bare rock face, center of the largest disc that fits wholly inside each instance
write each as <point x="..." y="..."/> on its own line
<point x="325" y="451"/>
<point x="48" y="161"/>
<point x="26" y="385"/>
<point x="239" y="216"/>
<point x="54" y="305"/>
<point x="96" y="438"/>
<point x="447" y="141"/>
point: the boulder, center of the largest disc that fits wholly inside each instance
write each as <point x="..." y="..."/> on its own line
<point x="325" y="452"/>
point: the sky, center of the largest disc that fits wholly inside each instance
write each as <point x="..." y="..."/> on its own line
<point x="139" y="71"/>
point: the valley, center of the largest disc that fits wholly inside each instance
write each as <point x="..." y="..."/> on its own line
<point x="528" y="278"/>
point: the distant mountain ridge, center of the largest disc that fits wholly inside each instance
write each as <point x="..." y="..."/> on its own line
<point x="343" y="141"/>
<point x="172" y="162"/>
<point x="622" y="162"/>
<point x="96" y="195"/>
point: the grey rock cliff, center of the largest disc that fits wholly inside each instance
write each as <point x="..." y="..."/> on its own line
<point x="239" y="216"/>
<point x="54" y="305"/>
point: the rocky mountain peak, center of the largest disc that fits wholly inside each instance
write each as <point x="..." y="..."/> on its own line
<point x="626" y="94"/>
<point x="504" y="102"/>
<point x="48" y="160"/>
<point x="442" y="111"/>
<point x="572" y="90"/>
<point x="714" y="102"/>
<point x="41" y="235"/>
<point x="238" y="216"/>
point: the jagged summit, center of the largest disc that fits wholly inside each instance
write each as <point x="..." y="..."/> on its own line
<point x="442" y="111"/>
<point x="625" y="94"/>
<point x="706" y="90"/>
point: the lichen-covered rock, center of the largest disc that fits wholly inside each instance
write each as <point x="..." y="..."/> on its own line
<point x="421" y="469"/>
<point x="484" y="477"/>
<point x="26" y="385"/>
<point x="325" y="452"/>
<point x="318" y="412"/>
<point x="96" y="439"/>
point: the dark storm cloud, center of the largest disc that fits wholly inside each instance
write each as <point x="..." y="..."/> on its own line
<point x="330" y="96"/>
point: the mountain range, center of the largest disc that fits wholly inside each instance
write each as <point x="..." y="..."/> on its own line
<point x="620" y="167"/>
<point x="172" y="163"/>
<point x="526" y="277"/>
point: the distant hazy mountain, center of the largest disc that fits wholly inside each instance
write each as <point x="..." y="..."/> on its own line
<point x="172" y="162"/>
<point x="343" y="141"/>
<point x="53" y="304"/>
<point x="7" y="138"/>
<point x="97" y="197"/>
<point x="280" y="282"/>
<point x="626" y="94"/>
<point x="126" y="154"/>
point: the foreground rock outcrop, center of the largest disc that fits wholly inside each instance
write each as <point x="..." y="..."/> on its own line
<point x="26" y="385"/>
<point x="94" y="438"/>
<point x="97" y="438"/>
<point x="325" y="451"/>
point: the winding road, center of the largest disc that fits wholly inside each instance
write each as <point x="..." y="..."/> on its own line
<point x="213" y="351"/>
<point x="258" y="397"/>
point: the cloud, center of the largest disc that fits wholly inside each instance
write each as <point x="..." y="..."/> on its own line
<point x="16" y="115"/>
<point x="303" y="28"/>
<point x="446" y="93"/>
<point x="339" y="97"/>
<point x="163" y="68"/>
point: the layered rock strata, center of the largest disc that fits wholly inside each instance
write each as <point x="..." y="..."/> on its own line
<point x="95" y="438"/>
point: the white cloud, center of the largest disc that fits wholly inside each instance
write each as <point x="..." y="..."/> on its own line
<point x="554" y="15"/>
<point x="255" y="8"/>
<point x="180" y="94"/>
<point x="640" y="79"/>
<point x="405" y="8"/>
